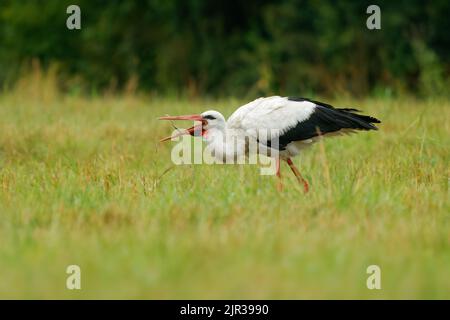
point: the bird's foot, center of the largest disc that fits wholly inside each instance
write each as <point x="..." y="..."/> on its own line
<point x="303" y="182"/>
<point x="305" y="186"/>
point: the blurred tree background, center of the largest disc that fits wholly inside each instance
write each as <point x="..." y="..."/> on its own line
<point x="231" y="47"/>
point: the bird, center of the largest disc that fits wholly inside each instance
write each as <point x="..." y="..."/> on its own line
<point x="294" y="123"/>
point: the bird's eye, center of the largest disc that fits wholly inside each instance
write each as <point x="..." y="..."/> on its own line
<point x="209" y="117"/>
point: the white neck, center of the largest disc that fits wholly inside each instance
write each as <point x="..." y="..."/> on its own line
<point x="224" y="144"/>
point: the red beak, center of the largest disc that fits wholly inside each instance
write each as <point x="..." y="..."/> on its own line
<point x="195" y="117"/>
<point x="196" y="130"/>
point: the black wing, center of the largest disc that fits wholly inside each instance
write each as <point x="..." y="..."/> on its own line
<point x="326" y="119"/>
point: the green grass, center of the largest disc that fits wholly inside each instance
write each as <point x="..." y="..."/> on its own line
<point x="80" y="183"/>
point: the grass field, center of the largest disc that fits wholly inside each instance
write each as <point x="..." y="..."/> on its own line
<point x="81" y="182"/>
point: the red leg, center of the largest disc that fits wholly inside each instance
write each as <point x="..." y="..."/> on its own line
<point x="298" y="175"/>
<point x="279" y="182"/>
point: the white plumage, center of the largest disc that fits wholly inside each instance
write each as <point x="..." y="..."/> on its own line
<point x="276" y="113"/>
<point x="271" y="113"/>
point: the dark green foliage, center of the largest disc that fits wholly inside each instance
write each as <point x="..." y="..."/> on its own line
<point x="234" y="47"/>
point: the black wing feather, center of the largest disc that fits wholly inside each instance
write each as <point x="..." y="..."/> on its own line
<point x="326" y="119"/>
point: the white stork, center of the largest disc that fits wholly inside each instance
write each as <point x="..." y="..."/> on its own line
<point x="298" y="122"/>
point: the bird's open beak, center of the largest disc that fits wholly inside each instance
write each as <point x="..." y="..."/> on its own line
<point x="196" y="130"/>
<point x="194" y="117"/>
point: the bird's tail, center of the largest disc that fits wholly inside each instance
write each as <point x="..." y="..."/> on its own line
<point x="358" y="121"/>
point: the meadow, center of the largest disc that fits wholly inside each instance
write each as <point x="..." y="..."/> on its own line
<point x="84" y="180"/>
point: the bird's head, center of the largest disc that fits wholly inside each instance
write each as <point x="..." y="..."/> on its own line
<point x="208" y="120"/>
<point x="213" y="119"/>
